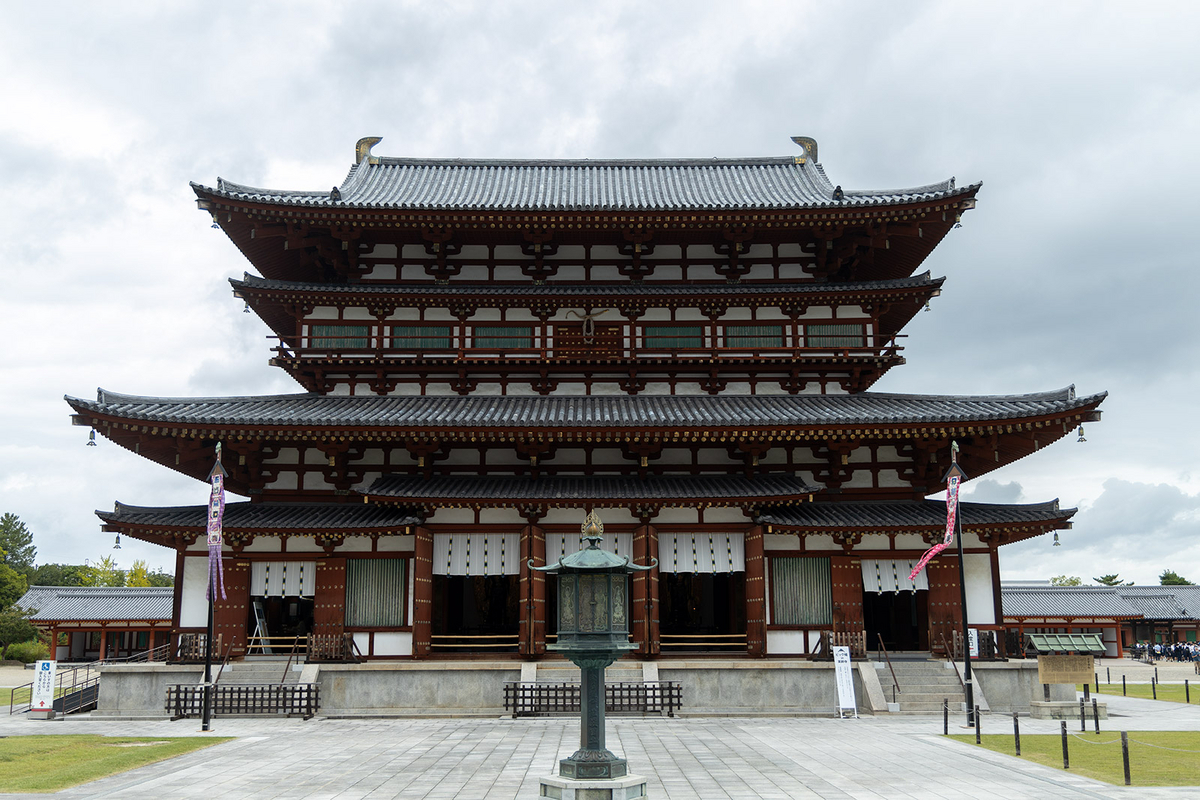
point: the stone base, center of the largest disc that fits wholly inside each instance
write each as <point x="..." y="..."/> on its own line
<point x="1064" y="709"/>
<point x="630" y="787"/>
<point x="42" y="713"/>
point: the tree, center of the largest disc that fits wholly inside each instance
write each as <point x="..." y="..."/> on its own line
<point x="16" y="540"/>
<point x="1066" y="580"/>
<point x="15" y="626"/>
<point x="12" y="586"/>
<point x="1170" y="577"/>
<point x="1112" y="580"/>
<point x="103" y="573"/>
<point x="56" y="575"/>
<point x="160" y="578"/>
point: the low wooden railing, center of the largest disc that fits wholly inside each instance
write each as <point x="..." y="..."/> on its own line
<point x="191" y="647"/>
<point x="298" y="699"/>
<point x="333" y="648"/>
<point x="497" y="642"/>
<point x="720" y="642"/>
<point x="544" y="699"/>
<point x="855" y="640"/>
<point x="275" y="645"/>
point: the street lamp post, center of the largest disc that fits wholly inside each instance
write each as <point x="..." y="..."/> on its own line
<point x="593" y="632"/>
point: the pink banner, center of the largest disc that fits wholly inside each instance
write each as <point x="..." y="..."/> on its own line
<point x="216" y="517"/>
<point x="951" y="516"/>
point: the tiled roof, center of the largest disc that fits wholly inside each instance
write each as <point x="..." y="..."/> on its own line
<point x="595" y="411"/>
<point x="1157" y="605"/>
<point x="1065" y="601"/>
<point x="551" y="489"/>
<point x="914" y="514"/>
<point x="586" y="185"/>
<point x="624" y="289"/>
<point x="280" y="517"/>
<point x="1186" y="598"/>
<point x="99" y="603"/>
<point x="1065" y="642"/>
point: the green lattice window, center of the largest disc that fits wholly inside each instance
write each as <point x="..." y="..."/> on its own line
<point x="836" y="335"/>
<point x="422" y="337"/>
<point x="339" y="337"/>
<point x="754" y="336"/>
<point x="503" y="337"/>
<point x="801" y="591"/>
<point x="673" y="337"/>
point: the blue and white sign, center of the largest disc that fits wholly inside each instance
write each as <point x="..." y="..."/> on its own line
<point x="845" y="681"/>
<point x="42" y="698"/>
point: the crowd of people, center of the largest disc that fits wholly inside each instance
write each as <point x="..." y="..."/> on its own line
<point x="1171" y="651"/>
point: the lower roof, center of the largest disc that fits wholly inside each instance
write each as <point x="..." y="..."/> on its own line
<point x="920" y="514"/>
<point x="266" y="518"/>
<point x="584" y="412"/>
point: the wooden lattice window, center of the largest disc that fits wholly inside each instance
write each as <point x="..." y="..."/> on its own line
<point x="422" y="337"/>
<point x="753" y="336"/>
<point x="376" y="595"/>
<point x="672" y="337"/>
<point x="838" y="334"/>
<point x="503" y="337"/>
<point x="801" y="591"/>
<point x="339" y="337"/>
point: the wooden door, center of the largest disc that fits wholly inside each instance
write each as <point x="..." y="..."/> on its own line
<point x="329" y="598"/>
<point x="846" y="573"/>
<point x="756" y="593"/>
<point x="231" y="615"/>
<point x="945" y="602"/>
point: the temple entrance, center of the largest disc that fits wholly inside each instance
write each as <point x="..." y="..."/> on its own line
<point x="702" y="593"/>
<point x="895" y="606"/>
<point x="281" y="605"/>
<point x="476" y="593"/>
<point x="900" y="618"/>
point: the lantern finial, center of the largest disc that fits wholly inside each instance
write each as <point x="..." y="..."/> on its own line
<point x="592" y="530"/>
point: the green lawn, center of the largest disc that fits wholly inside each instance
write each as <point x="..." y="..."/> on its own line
<point x="1166" y="691"/>
<point x="51" y="763"/>
<point x="1099" y="757"/>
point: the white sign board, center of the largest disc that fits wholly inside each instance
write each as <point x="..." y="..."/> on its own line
<point x="845" y="681"/>
<point x="973" y="637"/>
<point x="42" y="698"/>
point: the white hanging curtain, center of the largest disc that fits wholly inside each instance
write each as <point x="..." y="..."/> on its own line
<point x="701" y="552"/>
<point x="891" y="575"/>
<point x="283" y="578"/>
<point x="563" y="544"/>
<point x="477" y="554"/>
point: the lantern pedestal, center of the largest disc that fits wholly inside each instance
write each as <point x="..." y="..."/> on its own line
<point x="630" y="787"/>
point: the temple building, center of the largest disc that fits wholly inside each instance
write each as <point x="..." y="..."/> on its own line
<point x="489" y="349"/>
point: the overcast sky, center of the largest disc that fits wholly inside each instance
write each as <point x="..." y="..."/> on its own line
<point x="1078" y="266"/>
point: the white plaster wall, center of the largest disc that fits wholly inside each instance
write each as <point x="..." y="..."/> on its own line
<point x="355" y="544"/>
<point x="734" y="515"/>
<point x="820" y="543"/>
<point x="303" y="544"/>
<point x="397" y="544"/>
<point x="452" y="516"/>
<point x="265" y="544"/>
<point x="500" y="516"/>
<point x="874" y="541"/>
<point x="785" y="642"/>
<point x="677" y="516"/>
<point x="397" y="643"/>
<point x="910" y="541"/>
<point x="193" y="608"/>
<point x="978" y="569"/>
<point x="781" y="541"/>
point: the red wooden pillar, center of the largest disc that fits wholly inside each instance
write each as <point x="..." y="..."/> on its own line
<point x="756" y="593"/>
<point x="945" y="602"/>
<point x="533" y="592"/>
<point x="422" y="592"/>
<point x="846" y="574"/>
<point x="329" y="597"/>
<point x="652" y="604"/>
<point x="639" y="617"/>
<point x="231" y="615"/>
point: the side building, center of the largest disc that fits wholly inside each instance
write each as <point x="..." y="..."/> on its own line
<point x="491" y="349"/>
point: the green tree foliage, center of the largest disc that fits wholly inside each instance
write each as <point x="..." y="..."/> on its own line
<point x="1066" y="580"/>
<point x="1112" y="580"/>
<point x="1170" y="577"/>
<point x="16" y="627"/>
<point x="56" y="575"/>
<point x="103" y="573"/>
<point x="160" y="578"/>
<point x="12" y="586"/>
<point x="16" y="540"/>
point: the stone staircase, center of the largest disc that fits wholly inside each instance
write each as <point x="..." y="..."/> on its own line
<point x="923" y="686"/>
<point x="242" y="673"/>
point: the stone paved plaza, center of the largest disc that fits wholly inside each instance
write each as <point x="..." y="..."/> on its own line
<point x="685" y="759"/>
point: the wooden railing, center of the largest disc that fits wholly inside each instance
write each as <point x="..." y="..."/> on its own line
<point x="544" y="699"/>
<point x="855" y="640"/>
<point x="298" y="699"/>
<point x="720" y="642"/>
<point x="333" y="648"/>
<point x="191" y="647"/>
<point x="275" y="645"/>
<point x="496" y="642"/>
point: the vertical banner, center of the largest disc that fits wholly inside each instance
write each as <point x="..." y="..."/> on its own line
<point x="216" y="516"/>
<point x="845" y="682"/>
<point x="42" y="698"/>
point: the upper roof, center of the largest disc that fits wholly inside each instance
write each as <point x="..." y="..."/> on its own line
<point x="98" y="603"/>
<point x="787" y="182"/>
<point x="913" y="514"/>
<point x="591" y="411"/>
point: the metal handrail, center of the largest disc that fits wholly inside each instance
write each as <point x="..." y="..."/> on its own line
<point x="287" y="667"/>
<point x="888" y="659"/>
<point x="950" y="657"/>
<point x="224" y="661"/>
